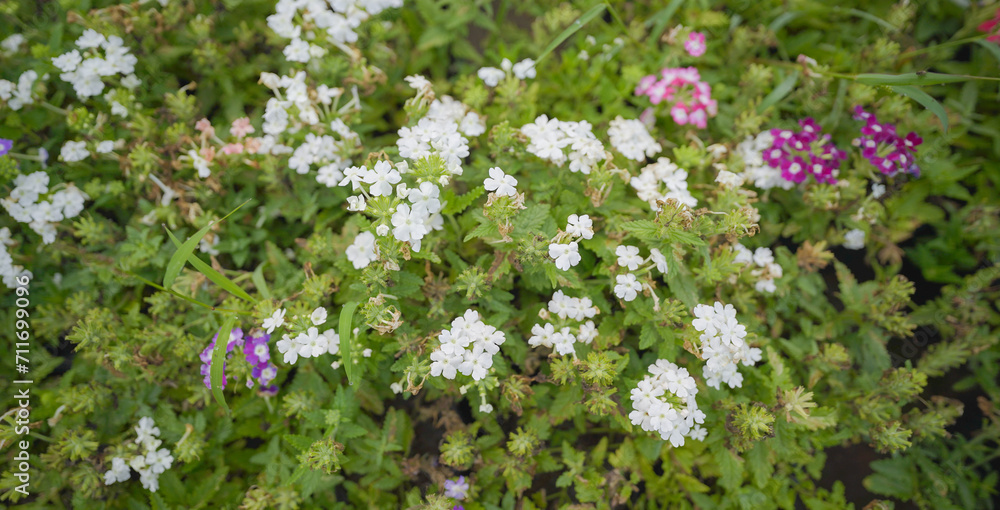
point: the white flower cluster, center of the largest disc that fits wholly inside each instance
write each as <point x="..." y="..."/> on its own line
<point x="627" y="285"/>
<point x="8" y="270"/>
<point x="631" y="138"/>
<point x="11" y="44"/>
<point x="652" y="179"/>
<point x="767" y="269"/>
<point x="308" y="344"/>
<point x="854" y="239"/>
<point x="303" y="21"/>
<point x="550" y="140"/>
<point x="150" y="464"/>
<point x="295" y="106"/>
<point x="522" y="70"/>
<point x="85" y="68"/>
<point x="567" y="255"/>
<point x="664" y="402"/>
<point x="567" y="309"/>
<point x="755" y="169"/>
<point x="409" y="222"/>
<point x="467" y="348"/>
<point x="442" y="131"/>
<point x="16" y="96"/>
<point x="73" y="151"/>
<point x="723" y="344"/>
<point x="24" y="205"/>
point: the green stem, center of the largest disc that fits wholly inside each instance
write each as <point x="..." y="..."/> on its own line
<point x="54" y="108"/>
<point x="948" y="44"/>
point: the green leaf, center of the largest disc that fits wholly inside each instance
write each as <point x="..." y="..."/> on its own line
<point x="181" y="255"/>
<point x="483" y="230"/>
<point x="258" y="280"/>
<point x="216" y="373"/>
<point x="926" y="100"/>
<point x="346" y="339"/>
<point x="990" y="47"/>
<point x="455" y="204"/>
<point x="210" y="273"/>
<point x="585" y="18"/>
<point x="910" y="78"/>
<point x="661" y="18"/>
<point x="779" y="92"/>
<point x="871" y="17"/>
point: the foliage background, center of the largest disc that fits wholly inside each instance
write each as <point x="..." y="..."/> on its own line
<point x="111" y="349"/>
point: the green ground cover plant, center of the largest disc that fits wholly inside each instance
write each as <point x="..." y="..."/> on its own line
<point x="483" y="254"/>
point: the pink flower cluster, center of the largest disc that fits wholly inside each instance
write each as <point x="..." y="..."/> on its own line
<point x="689" y="98"/>
<point x="799" y="154"/>
<point x="695" y="44"/>
<point x="885" y="149"/>
<point x="257" y="352"/>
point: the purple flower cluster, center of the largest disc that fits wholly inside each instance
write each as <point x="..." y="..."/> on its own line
<point x="885" y="149"/>
<point x="256" y="351"/>
<point x="5" y="146"/>
<point x="799" y="154"/>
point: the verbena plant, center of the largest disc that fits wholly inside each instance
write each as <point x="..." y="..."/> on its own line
<point x="436" y="254"/>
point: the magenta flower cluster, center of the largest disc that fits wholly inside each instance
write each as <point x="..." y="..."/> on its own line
<point x="257" y="353"/>
<point x="689" y="98"/>
<point x="885" y="149"/>
<point x="803" y="153"/>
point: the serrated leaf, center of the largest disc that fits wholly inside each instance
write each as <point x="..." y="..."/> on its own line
<point x="216" y="372"/>
<point x="455" y="204"/>
<point x="187" y="249"/>
<point x="483" y="230"/>
<point x="347" y="339"/>
<point x="298" y="441"/>
<point x="216" y="277"/>
<point x="648" y="336"/>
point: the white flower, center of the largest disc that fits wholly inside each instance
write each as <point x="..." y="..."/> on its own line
<point x="159" y="460"/>
<point x="628" y="286"/>
<point x="67" y="62"/>
<point x="289" y="348"/>
<point x="485" y="408"/>
<point x="854" y="239"/>
<point x="356" y="203"/>
<point x="363" y="251"/>
<point x="74" y="151"/>
<point x="632" y="139"/>
<point x="408" y="224"/>
<point x="119" y="471"/>
<point x="105" y="147"/>
<point x="659" y="259"/>
<point x="524" y="69"/>
<point x="491" y="76"/>
<point x="878" y="190"/>
<point x="501" y="183"/>
<point x="628" y="256"/>
<point x="728" y="179"/>
<point x="274" y="321"/>
<point x="146" y="430"/>
<point x="580" y="226"/>
<point x="419" y="83"/>
<point x="90" y="39"/>
<point x="318" y="317"/>
<point x="381" y="178"/>
<point x="311" y="343"/>
<point x="565" y="255"/>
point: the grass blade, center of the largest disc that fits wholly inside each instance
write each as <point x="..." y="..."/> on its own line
<point x="258" y="280"/>
<point x="186" y="249"/>
<point x="219" y="359"/>
<point x="661" y="19"/>
<point x="926" y="100"/>
<point x="779" y="92"/>
<point x="347" y="339"/>
<point x="585" y="18"/>
<point x="911" y="78"/>
<point x="210" y="273"/>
